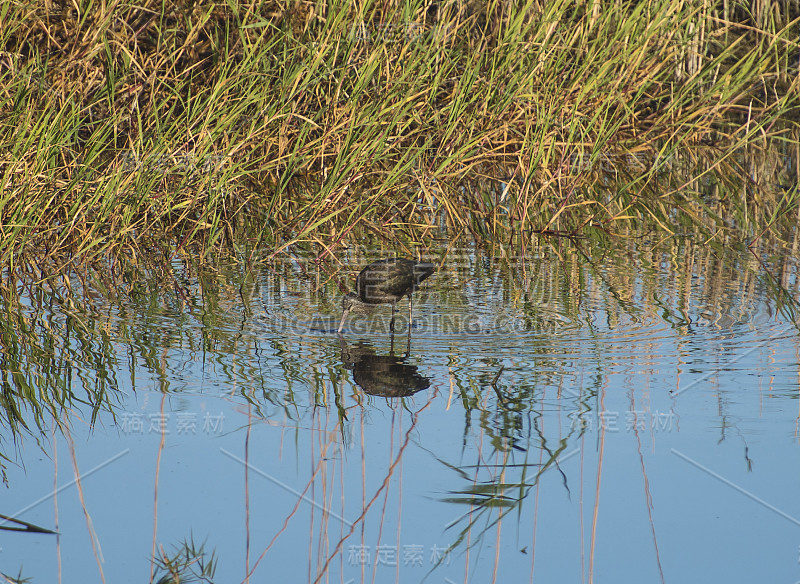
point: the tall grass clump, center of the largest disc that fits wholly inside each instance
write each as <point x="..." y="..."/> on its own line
<point x="133" y="126"/>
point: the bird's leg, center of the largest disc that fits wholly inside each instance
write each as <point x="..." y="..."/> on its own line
<point x="391" y="322"/>
<point x="408" y="343"/>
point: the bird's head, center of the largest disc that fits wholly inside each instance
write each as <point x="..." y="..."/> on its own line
<point x="350" y="301"/>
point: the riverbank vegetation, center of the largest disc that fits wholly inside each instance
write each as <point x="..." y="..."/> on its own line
<point x="131" y="127"/>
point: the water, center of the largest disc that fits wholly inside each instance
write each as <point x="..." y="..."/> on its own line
<point x="560" y="413"/>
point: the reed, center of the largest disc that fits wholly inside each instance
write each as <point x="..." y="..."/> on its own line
<point x="128" y="127"/>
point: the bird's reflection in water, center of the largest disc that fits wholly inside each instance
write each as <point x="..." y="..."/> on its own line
<point x="382" y="375"/>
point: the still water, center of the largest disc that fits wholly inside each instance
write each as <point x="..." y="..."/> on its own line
<point x="559" y="413"/>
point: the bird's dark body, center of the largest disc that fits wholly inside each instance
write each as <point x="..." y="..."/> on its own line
<point x="385" y="281"/>
<point x="389" y="280"/>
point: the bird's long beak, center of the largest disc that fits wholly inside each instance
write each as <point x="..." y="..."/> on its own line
<point x="345" y="312"/>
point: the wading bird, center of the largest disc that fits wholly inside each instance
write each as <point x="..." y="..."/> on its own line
<point x="385" y="281"/>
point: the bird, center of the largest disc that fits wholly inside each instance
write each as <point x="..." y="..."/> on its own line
<point x="385" y="281"/>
